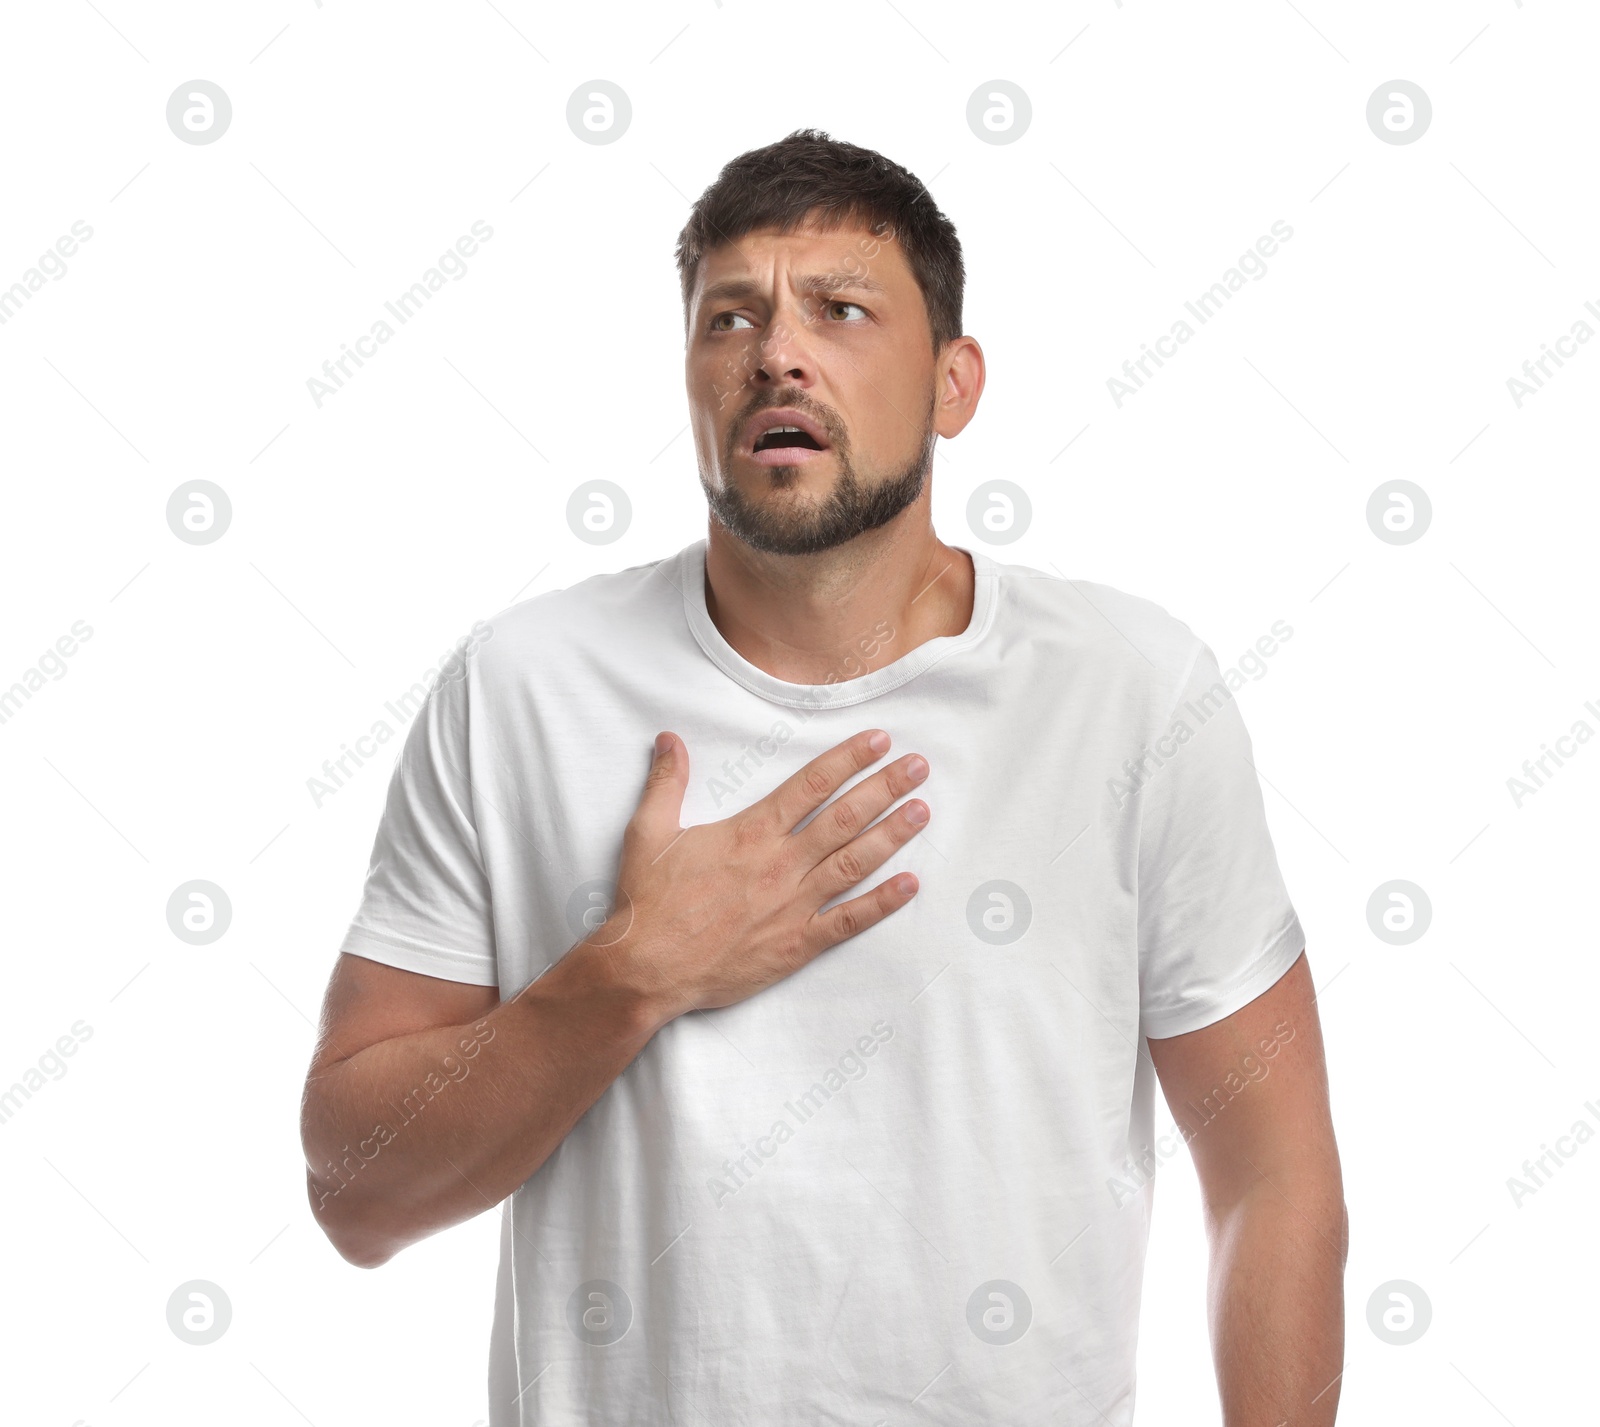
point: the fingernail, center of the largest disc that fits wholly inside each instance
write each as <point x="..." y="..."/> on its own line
<point x="917" y="769"/>
<point x="663" y="743"/>
<point x="917" y="813"/>
<point x="879" y="742"/>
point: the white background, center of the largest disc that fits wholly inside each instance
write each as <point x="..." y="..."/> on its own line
<point x="369" y="534"/>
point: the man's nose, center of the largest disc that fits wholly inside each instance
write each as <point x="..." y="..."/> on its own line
<point x="784" y="352"/>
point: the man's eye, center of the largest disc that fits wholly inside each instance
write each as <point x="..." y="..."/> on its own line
<point x="832" y="311"/>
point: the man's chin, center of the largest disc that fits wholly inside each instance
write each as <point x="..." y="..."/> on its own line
<point x="781" y="527"/>
<point x="804" y="509"/>
<point x="816" y="481"/>
<point x="782" y="532"/>
<point x="780" y="496"/>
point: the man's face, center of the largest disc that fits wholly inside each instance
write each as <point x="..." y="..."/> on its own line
<point x="827" y="332"/>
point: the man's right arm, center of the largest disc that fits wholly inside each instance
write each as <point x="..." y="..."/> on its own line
<point x="424" y="1107"/>
<point x="427" y="1102"/>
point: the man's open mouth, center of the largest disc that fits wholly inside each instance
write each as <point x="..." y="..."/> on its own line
<point x="781" y="433"/>
<point x="786" y="436"/>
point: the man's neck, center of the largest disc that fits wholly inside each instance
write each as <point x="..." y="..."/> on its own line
<point x="839" y="614"/>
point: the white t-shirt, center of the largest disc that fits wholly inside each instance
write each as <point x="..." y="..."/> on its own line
<point x="911" y="1182"/>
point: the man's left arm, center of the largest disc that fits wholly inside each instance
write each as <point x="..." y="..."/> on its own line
<point x="1250" y="1095"/>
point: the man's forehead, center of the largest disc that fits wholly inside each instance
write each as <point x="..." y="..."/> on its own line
<point x="852" y="250"/>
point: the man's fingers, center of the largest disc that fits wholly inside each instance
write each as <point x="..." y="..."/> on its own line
<point x="808" y="789"/>
<point x="847" y="815"/>
<point x="843" y="868"/>
<point x="841" y="923"/>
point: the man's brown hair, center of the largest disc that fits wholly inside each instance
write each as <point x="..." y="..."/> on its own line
<point x="809" y="177"/>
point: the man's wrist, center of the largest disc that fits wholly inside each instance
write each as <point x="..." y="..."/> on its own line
<point x="626" y="977"/>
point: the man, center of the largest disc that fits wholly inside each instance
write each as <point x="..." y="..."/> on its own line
<point x="820" y="1078"/>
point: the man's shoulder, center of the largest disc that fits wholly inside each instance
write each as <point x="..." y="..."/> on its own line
<point x="1102" y="629"/>
<point x="595" y="612"/>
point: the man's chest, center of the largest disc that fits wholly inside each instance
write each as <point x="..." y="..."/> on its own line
<point x="1025" y="874"/>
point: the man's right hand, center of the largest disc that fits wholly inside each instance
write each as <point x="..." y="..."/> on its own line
<point x="707" y="916"/>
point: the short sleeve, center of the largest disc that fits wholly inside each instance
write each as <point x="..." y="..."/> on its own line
<point x="425" y="905"/>
<point x="1216" y="927"/>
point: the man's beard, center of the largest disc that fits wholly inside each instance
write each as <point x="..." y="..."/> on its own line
<point x="850" y="508"/>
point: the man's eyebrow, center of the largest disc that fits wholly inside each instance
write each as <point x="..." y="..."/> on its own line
<point x="736" y="287"/>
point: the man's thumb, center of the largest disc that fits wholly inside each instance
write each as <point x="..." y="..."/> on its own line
<point x="661" y="805"/>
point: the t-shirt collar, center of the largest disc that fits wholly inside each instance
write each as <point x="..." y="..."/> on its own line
<point x="691" y="579"/>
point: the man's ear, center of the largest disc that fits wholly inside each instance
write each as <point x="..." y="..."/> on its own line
<point x="959" y="385"/>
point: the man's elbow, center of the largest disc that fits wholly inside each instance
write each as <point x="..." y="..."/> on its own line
<point x="363" y="1251"/>
<point x="364" y="1257"/>
<point x="354" y="1238"/>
